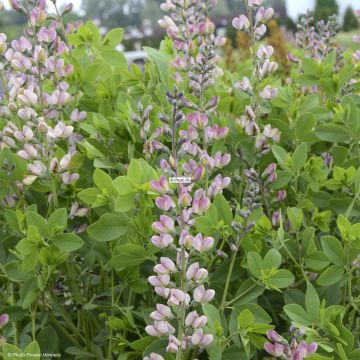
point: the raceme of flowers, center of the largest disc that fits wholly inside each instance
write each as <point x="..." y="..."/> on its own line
<point x="37" y="102"/>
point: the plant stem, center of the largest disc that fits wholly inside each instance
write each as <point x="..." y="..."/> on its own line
<point x="228" y="279"/>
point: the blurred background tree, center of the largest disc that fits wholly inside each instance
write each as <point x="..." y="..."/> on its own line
<point x="325" y="8"/>
<point x="350" y="20"/>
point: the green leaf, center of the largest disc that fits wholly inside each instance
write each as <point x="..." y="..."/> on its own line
<point x="34" y="219"/>
<point x="281" y="156"/>
<point x="123" y="185"/>
<point x="214" y="319"/>
<point x="30" y="298"/>
<point x="57" y="221"/>
<point x="88" y="196"/>
<point x="109" y="227"/>
<point x="103" y="180"/>
<point x="333" y="250"/>
<point x="33" y="349"/>
<point x="297" y="314"/>
<point x="67" y="242"/>
<point x="255" y="263"/>
<point x="331" y="275"/>
<point x="113" y="37"/>
<point x="272" y="259"/>
<point x="304" y="127"/>
<point x="282" y="279"/>
<point x="11" y="352"/>
<point x="312" y="302"/>
<point x="299" y="157"/>
<point x="332" y="133"/>
<point x="260" y="315"/>
<point x="245" y="319"/>
<point x="223" y="209"/>
<point x="128" y="255"/>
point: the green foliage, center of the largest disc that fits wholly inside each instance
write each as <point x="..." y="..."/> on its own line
<point x="350" y="21"/>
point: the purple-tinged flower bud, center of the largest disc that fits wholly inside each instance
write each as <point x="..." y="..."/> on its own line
<point x="16" y="6"/>
<point x="69" y="178"/>
<point x="200" y="243"/>
<point x="161" y="186"/>
<point x="37" y="168"/>
<point x="173" y="345"/>
<point x="243" y="85"/>
<point x="160" y="328"/>
<point x="195" y="321"/>
<point x="265" y="52"/>
<point x="260" y="31"/>
<point x="196" y="274"/>
<point x="200" y="202"/>
<point x="21" y="45"/>
<point x="197" y="119"/>
<point x="269" y="92"/>
<point x="276" y="338"/>
<point x="4" y="319"/>
<point x="292" y="58"/>
<point x="3" y="45"/>
<point x="167" y="6"/>
<point x="42" y="3"/>
<point x="200" y="339"/>
<point x="60" y="131"/>
<point x="273" y="134"/>
<point x="162" y="313"/>
<point x="276" y="350"/>
<point x="165" y="203"/>
<point x="78" y="116"/>
<point x="46" y="35"/>
<point x="203" y="296"/>
<point x="161" y="280"/>
<point x="281" y="195"/>
<point x="65" y="162"/>
<point x="264" y="15"/>
<point x="178" y="297"/>
<point x="164" y="225"/>
<point x="67" y="9"/>
<point x="153" y="356"/>
<point x="275" y="218"/>
<point x="271" y="168"/>
<point x="312" y="348"/>
<point x="185" y="199"/>
<point x="241" y="23"/>
<point x="166" y="266"/>
<point x="163" y="292"/>
<point x="213" y="102"/>
<point x="37" y="17"/>
<point x="162" y="241"/>
<point x="255" y="2"/>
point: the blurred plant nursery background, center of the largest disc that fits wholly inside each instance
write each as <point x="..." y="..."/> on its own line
<point x="139" y="19"/>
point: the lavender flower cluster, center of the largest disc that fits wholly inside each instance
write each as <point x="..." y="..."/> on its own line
<point x="37" y="103"/>
<point x="297" y="349"/>
<point x="254" y="24"/>
<point x="4" y="319"/>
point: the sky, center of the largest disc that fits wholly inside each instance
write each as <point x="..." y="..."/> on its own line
<point x="295" y="7"/>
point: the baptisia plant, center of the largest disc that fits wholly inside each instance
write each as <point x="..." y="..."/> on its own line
<point x="37" y="103"/>
<point x="180" y="276"/>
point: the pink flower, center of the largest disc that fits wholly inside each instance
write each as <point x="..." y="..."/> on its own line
<point x="165" y="225"/>
<point x="197" y="119"/>
<point x="255" y="2"/>
<point x="166" y="266"/>
<point x="21" y="45"/>
<point x="241" y="23"/>
<point x="69" y="178"/>
<point x="173" y="345"/>
<point x="160" y="328"/>
<point x="200" y="202"/>
<point x="195" y="321"/>
<point x="162" y="312"/>
<point x="165" y="203"/>
<point x="153" y="356"/>
<point x="203" y="296"/>
<point x="200" y="243"/>
<point x="200" y="339"/>
<point x="265" y="52"/>
<point x="4" y="319"/>
<point x="161" y="280"/>
<point x="46" y="35"/>
<point x="161" y="186"/>
<point x="178" y="297"/>
<point x="264" y="15"/>
<point x="162" y="241"/>
<point x="78" y="116"/>
<point x="196" y="274"/>
<point x="276" y="350"/>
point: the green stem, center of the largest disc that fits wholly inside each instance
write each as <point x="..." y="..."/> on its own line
<point x="228" y="279"/>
